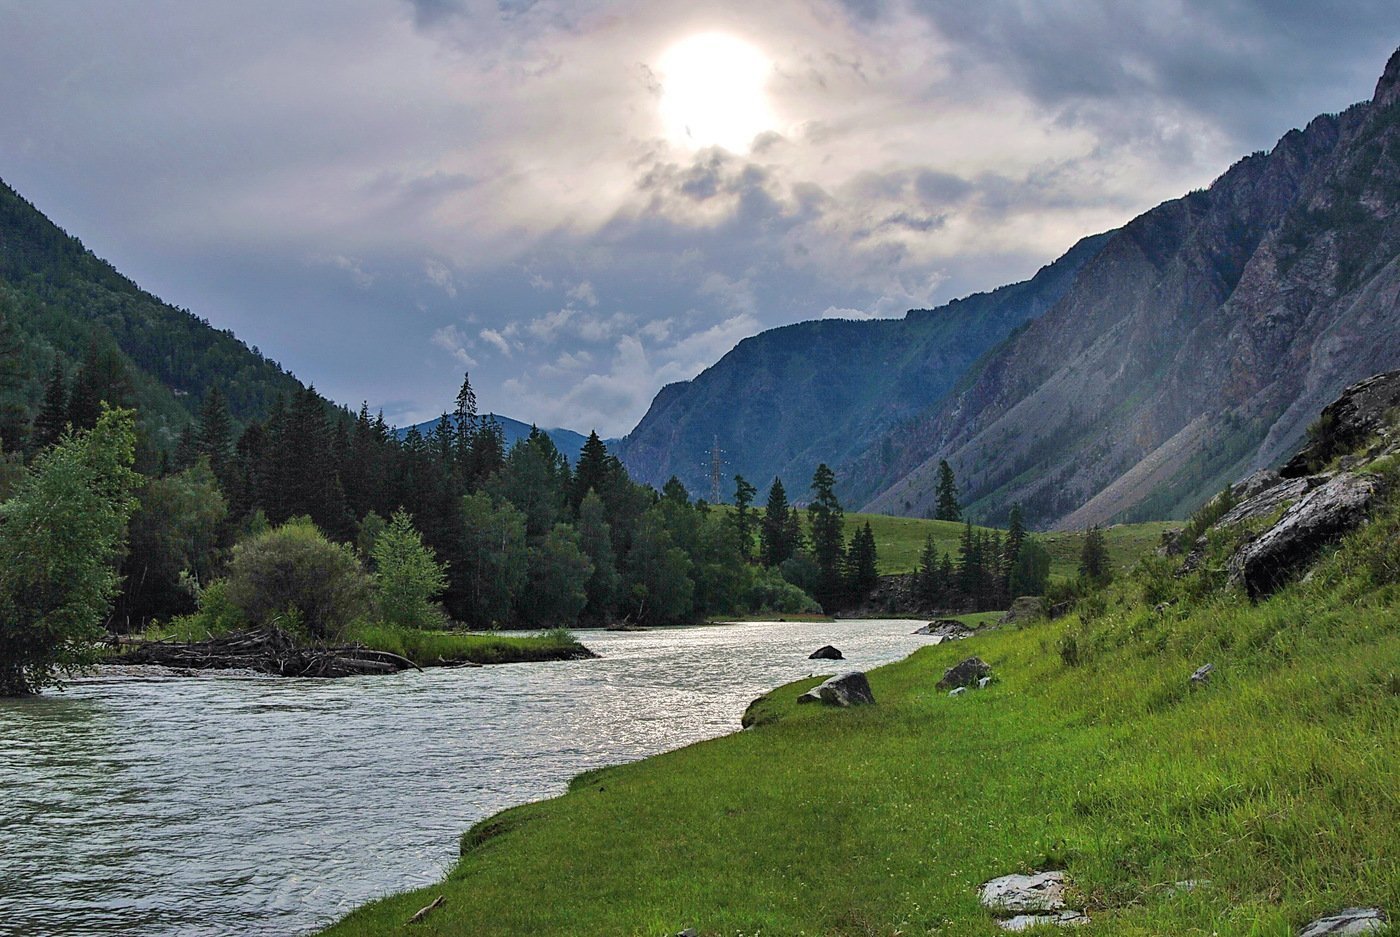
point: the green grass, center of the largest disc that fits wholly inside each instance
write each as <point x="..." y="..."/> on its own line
<point x="1278" y="782"/>
<point x="427" y="648"/>
<point x="899" y="541"/>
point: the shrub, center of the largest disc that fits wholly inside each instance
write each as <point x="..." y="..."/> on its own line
<point x="770" y="592"/>
<point x="293" y="573"/>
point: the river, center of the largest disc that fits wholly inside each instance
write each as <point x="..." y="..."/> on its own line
<point x="235" y="805"/>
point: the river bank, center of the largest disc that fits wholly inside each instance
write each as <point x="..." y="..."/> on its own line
<point x="1245" y="803"/>
<point x="229" y="803"/>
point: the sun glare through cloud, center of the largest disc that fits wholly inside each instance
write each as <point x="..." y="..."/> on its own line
<point x="713" y="92"/>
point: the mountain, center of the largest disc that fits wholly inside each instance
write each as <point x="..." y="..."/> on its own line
<point x="1193" y="348"/>
<point x="781" y="402"/>
<point x="60" y="302"/>
<point x="566" y="440"/>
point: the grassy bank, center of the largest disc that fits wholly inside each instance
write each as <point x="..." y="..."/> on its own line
<point x="1277" y="782"/>
<point x="432" y="648"/>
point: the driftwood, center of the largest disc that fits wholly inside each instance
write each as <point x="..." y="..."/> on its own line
<point x="270" y="650"/>
<point x="423" y="912"/>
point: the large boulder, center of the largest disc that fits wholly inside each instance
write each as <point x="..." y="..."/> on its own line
<point x="1265" y="502"/>
<point x="1322" y="517"/>
<point x="826" y="652"/>
<point x="847" y="689"/>
<point x="1347" y="921"/>
<point x="966" y="673"/>
<point x="946" y="629"/>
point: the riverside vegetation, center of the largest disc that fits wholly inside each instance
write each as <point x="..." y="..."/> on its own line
<point x="1247" y="802"/>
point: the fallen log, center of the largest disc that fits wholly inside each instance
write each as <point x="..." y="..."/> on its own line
<point x="271" y="651"/>
<point x="424" y="911"/>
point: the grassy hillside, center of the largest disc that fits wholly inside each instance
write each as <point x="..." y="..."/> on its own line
<point x="1276" y="783"/>
<point x="899" y="541"/>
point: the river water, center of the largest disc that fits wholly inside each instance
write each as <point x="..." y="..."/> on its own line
<point x="223" y="804"/>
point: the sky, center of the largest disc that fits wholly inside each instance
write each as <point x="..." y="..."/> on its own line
<point x="580" y="202"/>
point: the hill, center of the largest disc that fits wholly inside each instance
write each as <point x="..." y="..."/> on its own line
<point x="785" y="400"/>
<point x="1193" y="348"/>
<point x="60" y="303"/>
<point x="566" y="441"/>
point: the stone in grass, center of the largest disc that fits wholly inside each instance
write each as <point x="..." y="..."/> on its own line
<point x="958" y="691"/>
<point x="1348" y="921"/>
<point x="966" y="673"/>
<point x="689" y="932"/>
<point x="1039" y="893"/>
<point x="1202" y="675"/>
<point x="1060" y="919"/>
<point x="848" y="689"/>
<point x="826" y="653"/>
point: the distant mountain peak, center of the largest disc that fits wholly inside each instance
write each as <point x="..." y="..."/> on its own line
<point x="1388" y="88"/>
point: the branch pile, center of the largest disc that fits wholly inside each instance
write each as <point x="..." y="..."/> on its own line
<point x="271" y="651"/>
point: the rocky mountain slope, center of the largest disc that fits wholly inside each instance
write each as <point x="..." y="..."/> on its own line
<point x="790" y="398"/>
<point x="1192" y="349"/>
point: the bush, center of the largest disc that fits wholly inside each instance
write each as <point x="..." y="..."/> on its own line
<point x="293" y="573"/>
<point x="216" y="615"/>
<point x="770" y="592"/>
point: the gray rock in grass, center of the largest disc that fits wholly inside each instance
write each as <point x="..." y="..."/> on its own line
<point x="966" y="673"/>
<point x="1060" y="919"/>
<point x="1202" y="675"/>
<point x="1348" y="921"/>
<point x="1040" y="893"/>
<point x="847" y="689"/>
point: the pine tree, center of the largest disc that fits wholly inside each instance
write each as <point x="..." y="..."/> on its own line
<point x="53" y="413"/>
<point x="1015" y="540"/>
<point x="743" y="515"/>
<point x="214" y="438"/>
<point x="948" y="508"/>
<point x="591" y="474"/>
<point x="926" y="582"/>
<point x="775" y="531"/>
<point x="1093" y="558"/>
<point x="465" y="410"/>
<point x="826" y="521"/>
<point x="862" y="564"/>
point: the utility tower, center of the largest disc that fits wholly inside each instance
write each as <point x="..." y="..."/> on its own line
<point x="716" y="471"/>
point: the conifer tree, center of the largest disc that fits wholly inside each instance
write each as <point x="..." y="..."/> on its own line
<point x="743" y="515"/>
<point x="53" y="413"/>
<point x="948" y="508"/>
<point x="775" y="531"/>
<point x="1093" y="558"/>
<point x="926" y="582"/>
<point x="595" y="539"/>
<point x="214" y="438"/>
<point x="591" y="473"/>
<point x="826" y="521"/>
<point x="862" y="563"/>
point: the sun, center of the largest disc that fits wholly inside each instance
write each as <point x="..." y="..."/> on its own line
<point x="714" y="92"/>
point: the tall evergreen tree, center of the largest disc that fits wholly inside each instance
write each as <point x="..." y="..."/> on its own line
<point x="743" y="514"/>
<point x="948" y="508"/>
<point x="214" y="438"/>
<point x="53" y="412"/>
<point x="926" y="583"/>
<point x="775" y="531"/>
<point x="862" y="563"/>
<point x="592" y="470"/>
<point x="826" y="520"/>
<point x="595" y="539"/>
<point x="1093" y="557"/>
<point x="465" y="409"/>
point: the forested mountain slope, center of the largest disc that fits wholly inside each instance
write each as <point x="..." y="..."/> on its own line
<point x="790" y="398"/>
<point x="60" y="302"/>
<point x="1196" y="346"/>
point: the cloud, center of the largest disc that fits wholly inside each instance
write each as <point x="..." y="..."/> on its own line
<point x="453" y="340"/>
<point x="496" y="339"/>
<point x="440" y="276"/>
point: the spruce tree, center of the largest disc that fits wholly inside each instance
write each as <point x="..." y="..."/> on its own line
<point x="1093" y="558"/>
<point x="743" y="515"/>
<point x="948" y="508"/>
<point x="53" y="413"/>
<point x="775" y="531"/>
<point x="214" y="438"/>
<point x="862" y="563"/>
<point x="926" y="582"/>
<point x="826" y="521"/>
<point x="591" y="473"/>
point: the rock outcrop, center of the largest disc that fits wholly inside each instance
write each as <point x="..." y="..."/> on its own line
<point x="1364" y="410"/>
<point x="946" y="629"/>
<point x="1320" y="518"/>
<point x="847" y="689"/>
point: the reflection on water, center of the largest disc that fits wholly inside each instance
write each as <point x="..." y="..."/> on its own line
<point x="224" y="804"/>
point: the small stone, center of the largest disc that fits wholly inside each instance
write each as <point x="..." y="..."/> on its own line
<point x="1347" y="921"/>
<point x="1191" y="884"/>
<point x="826" y="653"/>
<point x="1202" y="675"/>
<point x="689" y="932"/>
<point x="848" y="689"/>
<point x="958" y="692"/>
<point x="965" y="673"/>
<point x="1039" y="893"/>
<point x="1060" y="919"/>
<point x="983" y="683"/>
